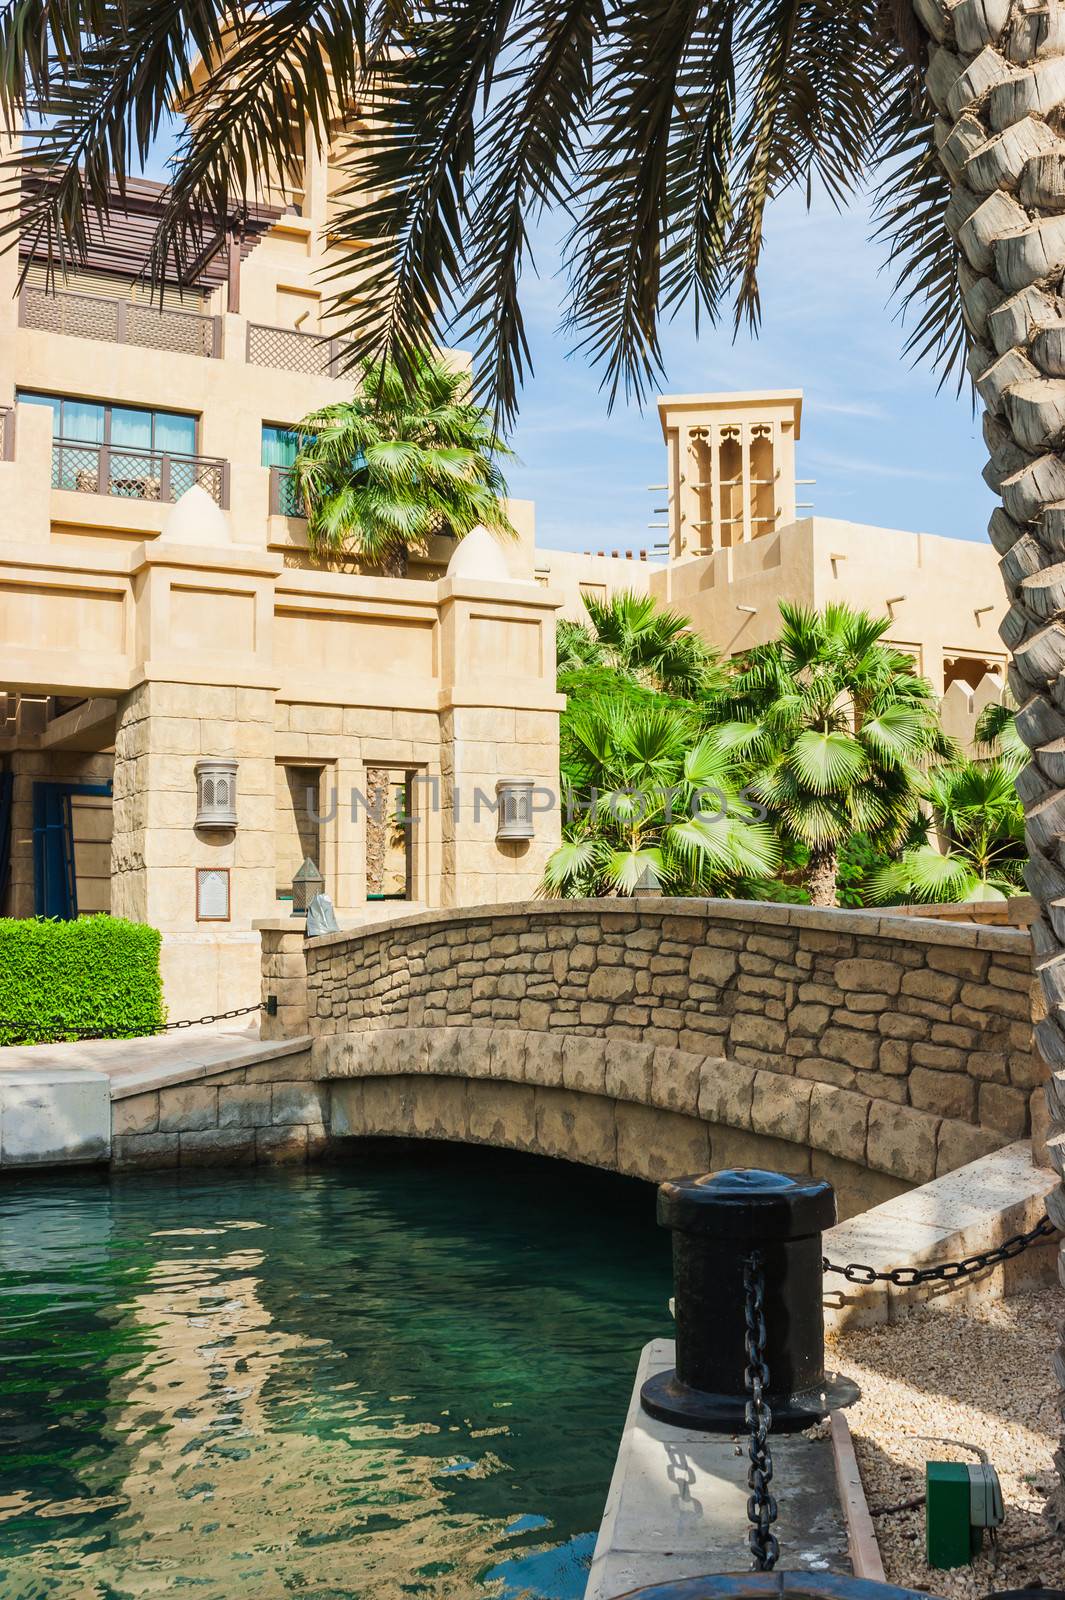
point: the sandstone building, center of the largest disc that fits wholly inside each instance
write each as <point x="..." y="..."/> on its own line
<point x="189" y="706"/>
<point x="737" y="544"/>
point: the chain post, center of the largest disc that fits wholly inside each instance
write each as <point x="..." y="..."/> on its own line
<point x="761" y="1504"/>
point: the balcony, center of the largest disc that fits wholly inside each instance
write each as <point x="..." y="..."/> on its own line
<point x="288" y="350"/>
<point x="285" y="500"/>
<point x="136" y="474"/>
<point x="86" y="316"/>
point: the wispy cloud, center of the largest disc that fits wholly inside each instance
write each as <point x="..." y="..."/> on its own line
<point x="856" y="466"/>
<point x="847" y="408"/>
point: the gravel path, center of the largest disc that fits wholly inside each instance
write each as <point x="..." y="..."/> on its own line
<point x="978" y="1375"/>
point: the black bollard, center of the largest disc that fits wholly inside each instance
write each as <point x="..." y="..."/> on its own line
<point x="717" y="1221"/>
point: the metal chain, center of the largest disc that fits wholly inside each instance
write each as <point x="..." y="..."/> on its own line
<point x="761" y="1505"/>
<point x="59" y="1026"/>
<point x="220" y="1016"/>
<point x="943" y="1271"/>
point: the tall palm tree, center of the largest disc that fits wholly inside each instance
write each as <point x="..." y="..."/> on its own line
<point x="835" y="724"/>
<point x="406" y="459"/>
<point x="642" y="641"/>
<point x="651" y="802"/>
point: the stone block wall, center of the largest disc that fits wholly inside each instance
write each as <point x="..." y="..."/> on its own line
<point x="903" y="1045"/>
<point x="162" y="730"/>
<point x="272" y="1111"/>
<point x="284" y="982"/>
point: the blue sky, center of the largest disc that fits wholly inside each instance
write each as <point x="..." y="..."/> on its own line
<point x="882" y="445"/>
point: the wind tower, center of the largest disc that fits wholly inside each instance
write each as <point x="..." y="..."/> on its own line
<point x="731" y="467"/>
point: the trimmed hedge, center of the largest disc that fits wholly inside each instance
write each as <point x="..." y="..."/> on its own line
<point x="95" y="976"/>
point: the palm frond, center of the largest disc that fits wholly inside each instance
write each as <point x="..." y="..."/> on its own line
<point x="909" y="207"/>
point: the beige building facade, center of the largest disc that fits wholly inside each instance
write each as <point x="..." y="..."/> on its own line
<point x="165" y="638"/>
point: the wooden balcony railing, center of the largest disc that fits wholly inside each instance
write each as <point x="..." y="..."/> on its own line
<point x="136" y="474"/>
<point x="285" y="500"/>
<point x="86" y="316"/>
<point x="289" y="350"/>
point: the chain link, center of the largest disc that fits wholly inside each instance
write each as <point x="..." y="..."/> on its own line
<point x="60" y="1027"/>
<point x="943" y="1271"/>
<point x="761" y="1505"/>
<point x="220" y="1016"/>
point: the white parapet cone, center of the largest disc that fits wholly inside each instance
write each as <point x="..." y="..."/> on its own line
<point x="196" y="519"/>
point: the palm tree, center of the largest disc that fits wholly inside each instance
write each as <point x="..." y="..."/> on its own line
<point x="636" y="638"/>
<point x="980" y="817"/>
<point x="835" y="725"/>
<point x="407" y="459"/>
<point x="651" y="803"/>
<point x="997" y="738"/>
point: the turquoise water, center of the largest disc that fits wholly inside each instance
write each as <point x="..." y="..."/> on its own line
<point x="402" y="1376"/>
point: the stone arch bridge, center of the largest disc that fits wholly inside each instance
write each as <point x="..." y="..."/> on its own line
<point x="654" y="1036"/>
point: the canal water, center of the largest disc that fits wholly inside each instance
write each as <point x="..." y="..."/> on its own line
<point x="405" y="1375"/>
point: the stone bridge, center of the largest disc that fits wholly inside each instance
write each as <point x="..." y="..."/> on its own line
<point x="653" y="1036"/>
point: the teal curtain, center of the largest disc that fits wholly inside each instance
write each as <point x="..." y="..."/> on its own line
<point x="164" y="431"/>
<point x="280" y="446"/>
<point x="48" y="400"/>
<point x="71" y="419"/>
<point x="175" y="433"/>
<point x="131" y="429"/>
<point x="83" y="420"/>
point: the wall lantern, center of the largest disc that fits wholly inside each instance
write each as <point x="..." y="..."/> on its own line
<point x="307" y="882"/>
<point x="514" y="816"/>
<point x="216" y="793"/>
<point x="647" y="884"/>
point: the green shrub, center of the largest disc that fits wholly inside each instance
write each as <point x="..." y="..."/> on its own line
<point x="62" y="980"/>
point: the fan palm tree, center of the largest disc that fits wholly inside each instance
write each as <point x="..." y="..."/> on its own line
<point x="980" y="817"/>
<point x="643" y="642"/>
<point x="997" y="738"/>
<point x="835" y="724"/>
<point x="381" y="474"/>
<point x="651" y="803"/>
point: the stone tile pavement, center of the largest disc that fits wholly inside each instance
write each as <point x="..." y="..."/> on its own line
<point x="135" y="1065"/>
<point x="56" y="1100"/>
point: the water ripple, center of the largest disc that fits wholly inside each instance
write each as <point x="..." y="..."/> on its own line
<point x="403" y="1376"/>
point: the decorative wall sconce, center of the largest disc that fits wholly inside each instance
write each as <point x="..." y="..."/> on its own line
<point x="514" y="816"/>
<point x="216" y="793"/>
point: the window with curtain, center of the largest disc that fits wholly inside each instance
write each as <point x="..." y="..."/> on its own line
<point x="280" y="445"/>
<point x="123" y="427"/>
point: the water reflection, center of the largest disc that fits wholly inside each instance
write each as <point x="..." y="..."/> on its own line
<point x="402" y="1378"/>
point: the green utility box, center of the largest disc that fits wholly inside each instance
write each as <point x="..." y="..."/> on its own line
<point x="960" y="1502"/>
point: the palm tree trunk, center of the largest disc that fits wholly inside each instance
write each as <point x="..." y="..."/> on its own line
<point x="996" y="75"/>
<point x="395" y="563"/>
<point x="821" y="875"/>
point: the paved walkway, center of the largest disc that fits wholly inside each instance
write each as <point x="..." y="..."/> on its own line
<point x="134" y="1065"/>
